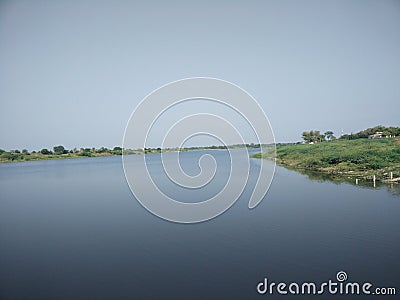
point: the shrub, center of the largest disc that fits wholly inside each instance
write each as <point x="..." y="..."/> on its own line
<point x="45" y="151"/>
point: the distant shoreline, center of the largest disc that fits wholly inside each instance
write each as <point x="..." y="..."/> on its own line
<point x="33" y="158"/>
<point x="13" y="156"/>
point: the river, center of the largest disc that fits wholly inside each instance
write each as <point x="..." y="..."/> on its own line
<point x="71" y="229"/>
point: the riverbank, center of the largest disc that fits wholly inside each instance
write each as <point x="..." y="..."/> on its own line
<point x="360" y="158"/>
<point x="19" y="157"/>
<point x="44" y="154"/>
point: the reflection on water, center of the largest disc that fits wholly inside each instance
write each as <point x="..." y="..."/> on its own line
<point x="339" y="179"/>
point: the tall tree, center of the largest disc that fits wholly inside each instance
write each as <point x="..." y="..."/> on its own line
<point x="59" y="149"/>
<point x="313" y="136"/>
<point x="306" y="136"/>
<point x="329" y="135"/>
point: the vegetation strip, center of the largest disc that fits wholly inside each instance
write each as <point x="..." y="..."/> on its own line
<point x="357" y="155"/>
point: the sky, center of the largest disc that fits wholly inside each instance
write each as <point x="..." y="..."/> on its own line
<point x="72" y="72"/>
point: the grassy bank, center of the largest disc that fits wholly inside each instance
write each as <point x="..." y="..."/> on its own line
<point x="361" y="158"/>
<point x="19" y="157"/>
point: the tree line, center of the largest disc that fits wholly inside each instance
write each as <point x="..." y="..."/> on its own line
<point x="58" y="150"/>
<point x="314" y="136"/>
<point x="386" y="132"/>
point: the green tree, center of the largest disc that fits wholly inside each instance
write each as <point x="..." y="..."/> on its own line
<point x="86" y="152"/>
<point x="102" y="150"/>
<point x="329" y="135"/>
<point x="45" y="151"/>
<point x="59" y="149"/>
<point x="306" y="136"/>
<point x="394" y="131"/>
<point x="117" y="151"/>
<point x="25" y="151"/>
<point x="313" y="136"/>
<point x="318" y="136"/>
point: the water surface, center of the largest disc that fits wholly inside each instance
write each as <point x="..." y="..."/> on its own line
<point x="71" y="229"/>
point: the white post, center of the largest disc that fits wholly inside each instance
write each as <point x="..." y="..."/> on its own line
<point x="391" y="175"/>
<point x="356" y="180"/>
<point x="374" y="181"/>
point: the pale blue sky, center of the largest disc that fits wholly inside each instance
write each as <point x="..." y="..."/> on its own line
<point x="71" y="72"/>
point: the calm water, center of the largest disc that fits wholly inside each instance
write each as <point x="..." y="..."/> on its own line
<point x="71" y="229"/>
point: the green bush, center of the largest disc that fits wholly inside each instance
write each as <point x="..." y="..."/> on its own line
<point x="45" y="151"/>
